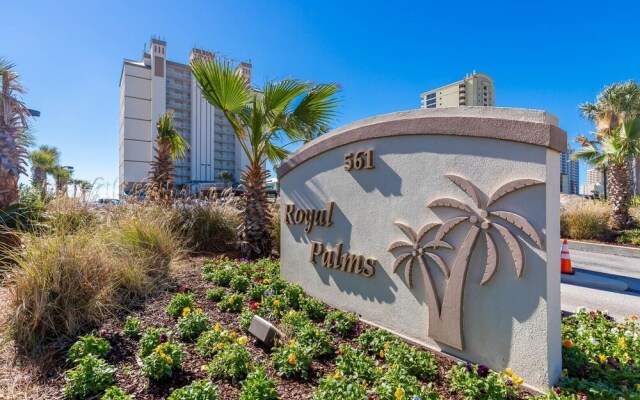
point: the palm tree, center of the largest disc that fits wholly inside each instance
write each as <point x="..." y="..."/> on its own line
<point x="613" y="105"/>
<point x="44" y="160"/>
<point x="13" y="125"/>
<point x="170" y="146"/>
<point x="615" y="151"/>
<point x="225" y="176"/>
<point x="62" y="177"/>
<point x="445" y="318"/>
<point x="259" y="119"/>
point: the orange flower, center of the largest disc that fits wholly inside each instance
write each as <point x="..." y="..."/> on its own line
<point x="568" y="343"/>
<point x="292" y="359"/>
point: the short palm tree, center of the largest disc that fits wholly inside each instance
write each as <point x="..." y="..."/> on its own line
<point x="62" y="177"/>
<point x="44" y="160"/>
<point x="615" y="151"/>
<point x="225" y="176"/>
<point x="13" y="125"/>
<point x="170" y="146"/>
<point x="613" y="105"/>
<point x="288" y="108"/>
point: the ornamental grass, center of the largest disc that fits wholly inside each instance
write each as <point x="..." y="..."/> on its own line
<point x="588" y="220"/>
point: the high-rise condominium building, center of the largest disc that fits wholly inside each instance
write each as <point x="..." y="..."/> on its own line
<point x="154" y="86"/>
<point x="569" y="173"/>
<point x="595" y="182"/>
<point x="474" y="90"/>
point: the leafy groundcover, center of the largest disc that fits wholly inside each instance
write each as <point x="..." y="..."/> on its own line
<point x="192" y="343"/>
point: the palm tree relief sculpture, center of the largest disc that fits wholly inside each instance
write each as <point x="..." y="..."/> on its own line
<point x="445" y="317"/>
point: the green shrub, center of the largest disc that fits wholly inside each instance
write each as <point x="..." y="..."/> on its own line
<point x="355" y="364"/>
<point x="374" y="340"/>
<point x="163" y="361"/>
<point x="152" y="338"/>
<point x="397" y="384"/>
<point x="258" y="386"/>
<point x="585" y="221"/>
<point x="86" y="345"/>
<point x="209" y="226"/>
<point x="90" y="376"/>
<point x="338" y="387"/>
<point x="278" y="285"/>
<point x="193" y="324"/>
<point x="292" y="360"/>
<point x="178" y="303"/>
<point x="342" y="323"/>
<point x="222" y="277"/>
<point x="212" y="341"/>
<point x="115" y="393"/>
<point x="256" y="292"/>
<point x="479" y="382"/>
<point x="231" y="363"/>
<point x="420" y="364"/>
<point x="294" y="321"/>
<point x="240" y="283"/>
<point x="245" y="318"/>
<point x="630" y="237"/>
<point x="131" y="327"/>
<point x="313" y="308"/>
<point x="216" y="294"/>
<point x="232" y="302"/>
<point x="197" y="390"/>
<point x="318" y="341"/>
<point x="293" y="295"/>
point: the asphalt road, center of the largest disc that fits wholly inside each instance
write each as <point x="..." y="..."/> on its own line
<point x="618" y="303"/>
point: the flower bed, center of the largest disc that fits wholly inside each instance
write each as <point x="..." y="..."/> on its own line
<point x="193" y="344"/>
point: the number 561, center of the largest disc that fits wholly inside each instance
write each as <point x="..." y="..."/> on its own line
<point x="359" y="160"/>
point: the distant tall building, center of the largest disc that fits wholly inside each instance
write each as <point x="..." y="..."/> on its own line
<point x="154" y="86"/>
<point x="595" y="182"/>
<point x="474" y="90"/>
<point x="569" y="173"/>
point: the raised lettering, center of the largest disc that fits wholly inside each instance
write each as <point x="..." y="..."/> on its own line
<point x="299" y="216"/>
<point x="330" y="218"/>
<point x="326" y="259"/>
<point x="369" y="267"/>
<point x="316" y="249"/>
<point x="288" y="216"/>
<point x="352" y="263"/>
<point x="311" y="214"/>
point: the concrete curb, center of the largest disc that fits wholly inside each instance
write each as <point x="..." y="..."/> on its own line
<point x="604" y="249"/>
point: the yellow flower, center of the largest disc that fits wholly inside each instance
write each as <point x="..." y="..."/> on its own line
<point x="292" y="312"/>
<point x="186" y="311"/>
<point x="230" y="300"/>
<point x="517" y="381"/>
<point x="634" y="317"/>
<point x="169" y="360"/>
<point x="159" y="349"/>
<point x="622" y="343"/>
<point x="266" y="281"/>
<point x="276" y="303"/>
<point x="204" y="367"/>
<point x="242" y="340"/>
<point x="292" y="359"/>
<point x="399" y="393"/>
<point x="568" y="343"/>
<point x="336" y="374"/>
<point x="602" y="358"/>
<point x="219" y="346"/>
<point x="276" y="312"/>
<point x="216" y="328"/>
<point x="387" y="345"/>
<point x="509" y="372"/>
<point x="381" y="354"/>
<point x="198" y="310"/>
<point x="233" y="335"/>
<point x="292" y="342"/>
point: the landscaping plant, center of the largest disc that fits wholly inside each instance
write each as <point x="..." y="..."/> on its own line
<point x="163" y="361"/>
<point x="341" y="322"/>
<point x="316" y="340"/>
<point x="374" y="340"/>
<point x="152" y="338"/>
<point x="339" y="387"/>
<point x="90" y="376"/>
<point x="292" y="360"/>
<point x="397" y="384"/>
<point x="479" y="382"/>
<point x="232" y="362"/>
<point x="131" y="327"/>
<point x="293" y="295"/>
<point x="240" y="283"/>
<point x="115" y="393"/>
<point x="420" y="364"/>
<point x="355" y="364"/>
<point x="192" y="323"/>
<point x="178" y="304"/>
<point x="314" y="309"/>
<point x="216" y="294"/>
<point x="88" y="345"/>
<point x="258" y="386"/>
<point x="232" y="302"/>
<point x="294" y="321"/>
<point x="197" y="390"/>
<point x="212" y="341"/>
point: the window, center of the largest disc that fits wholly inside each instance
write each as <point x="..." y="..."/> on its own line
<point x="431" y="96"/>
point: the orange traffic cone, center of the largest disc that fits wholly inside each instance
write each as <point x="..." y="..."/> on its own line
<point x="565" y="259"/>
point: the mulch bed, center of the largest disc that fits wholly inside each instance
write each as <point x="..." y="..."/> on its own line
<point x="129" y="375"/>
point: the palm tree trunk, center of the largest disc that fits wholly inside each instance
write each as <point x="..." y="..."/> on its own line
<point x="448" y="327"/>
<point x="255" y="236"/>
<point x="619" y="195"/>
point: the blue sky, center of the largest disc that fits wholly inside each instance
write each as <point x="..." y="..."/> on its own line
<point x="549" y="55"/>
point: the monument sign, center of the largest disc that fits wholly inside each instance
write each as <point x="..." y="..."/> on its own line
<point x="436" y="224"/>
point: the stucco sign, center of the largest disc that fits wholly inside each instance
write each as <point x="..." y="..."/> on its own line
<point x="436" y="224"/>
